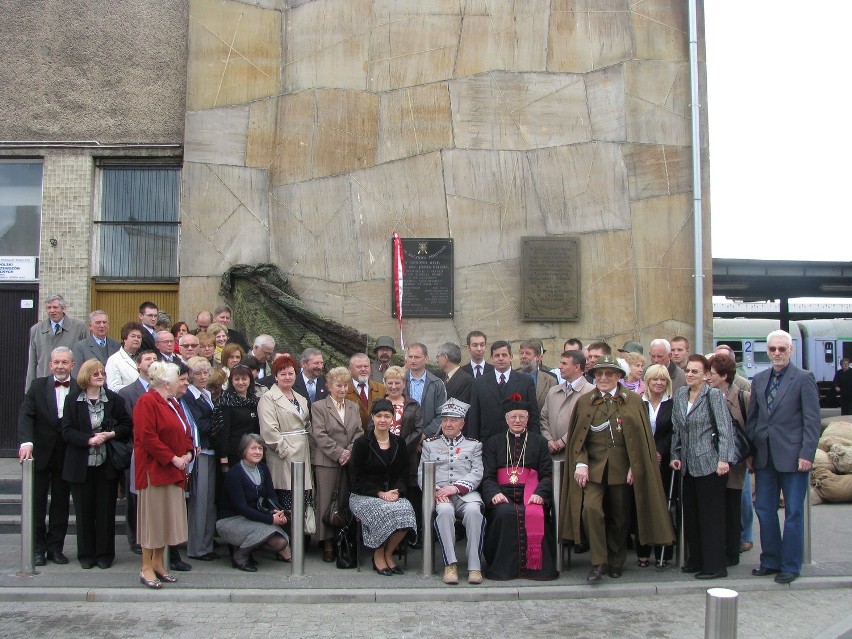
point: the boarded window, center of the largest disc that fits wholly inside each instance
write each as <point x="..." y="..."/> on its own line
<point x="139" y="223"/>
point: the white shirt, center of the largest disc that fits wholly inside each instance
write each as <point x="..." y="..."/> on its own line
<point x="505" y="375"/>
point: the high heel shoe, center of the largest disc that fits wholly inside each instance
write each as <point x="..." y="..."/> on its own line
<point x="150" y="583"/>
<point x="169" y="579"/>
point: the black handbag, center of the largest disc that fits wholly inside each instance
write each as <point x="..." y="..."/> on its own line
<point x="268" y="505"/>
<point x="337" y="515"/>
<point x="119" y="454"/>
<point x="345" y="543"/>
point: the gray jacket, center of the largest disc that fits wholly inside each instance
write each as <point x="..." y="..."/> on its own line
<point x="434" y="396"/>
<point x="694" y="435"/>
<point x="43" y="341"/>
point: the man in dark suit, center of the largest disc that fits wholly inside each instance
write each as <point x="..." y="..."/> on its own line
<point x="486" y="416"/>
<point x="165" y="343"/>
<point x="476" y="342"/>
<point x="40" y="433"/>
<point x="131" y="395"/>
<point x="222" y="314"/>
<point x="784" y="428"/>
<point x="459" y="382"/>
<point x="310" y="382"/>
<point x="98" y="345"/>
<point x="148" y="314"/>
<point x="362" y="390"/>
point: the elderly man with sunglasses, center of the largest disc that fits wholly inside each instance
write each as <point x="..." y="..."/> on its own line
<point x="784" y="428"/>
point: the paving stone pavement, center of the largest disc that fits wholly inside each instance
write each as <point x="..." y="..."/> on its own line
<point x="761" y="614"/>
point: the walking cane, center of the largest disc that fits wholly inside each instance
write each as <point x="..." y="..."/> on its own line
<point x="672" y="508"/>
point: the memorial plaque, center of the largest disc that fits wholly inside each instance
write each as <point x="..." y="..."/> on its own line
<point x="428" y="281"/>
<point x="550" y="279"/>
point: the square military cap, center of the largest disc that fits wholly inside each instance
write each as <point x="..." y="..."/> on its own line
<point x="454" y="408"/>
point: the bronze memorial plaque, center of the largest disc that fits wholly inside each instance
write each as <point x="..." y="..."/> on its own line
<point x="428" y="281"/>
<point x="550" y="278"/>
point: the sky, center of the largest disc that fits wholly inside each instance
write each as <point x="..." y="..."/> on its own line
<point x="778" y="81"/>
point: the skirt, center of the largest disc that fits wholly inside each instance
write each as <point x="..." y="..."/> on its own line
<point x="380" y="519"/>
<point x="161" y="516"/>
<point x="245" y="533"/>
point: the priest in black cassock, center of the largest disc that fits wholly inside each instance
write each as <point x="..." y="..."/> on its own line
<point x="517" y="488"/>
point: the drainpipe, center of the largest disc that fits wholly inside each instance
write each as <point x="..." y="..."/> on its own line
<point x="698" y="275"/>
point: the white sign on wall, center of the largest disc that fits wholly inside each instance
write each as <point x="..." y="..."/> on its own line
<point x="17" y="269"/>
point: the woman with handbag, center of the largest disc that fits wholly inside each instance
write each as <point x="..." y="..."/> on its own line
<point x="90" y="421"/>
<point x="335" y="425"/>
<point x="284" y="426"/>
<point x="723" y="368"/>
<point x="379" y="475"/>
<point x="702" y="447"/>
<point x="249" y="515"/>
<point x="163" y="450"/>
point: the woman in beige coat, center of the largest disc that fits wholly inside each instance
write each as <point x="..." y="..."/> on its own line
<point x="336" y="423"/>
<point x="284" y="425"/>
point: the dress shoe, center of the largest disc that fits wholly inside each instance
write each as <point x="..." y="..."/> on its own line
<point x="169" y="579"/>
<point x="384" y="572"/>
<point x="39" y="559"/>
<point x="712" y="575"/>
<point x="746" y="546"/>
<point x="786" y="577"/>
<point x="595" y="574"/>
<point x="245" y="566"/>
<point x="136" y="549"/>
<point x="208" y="556"/>
<point x="396" y="570"/>
<point x="286" y="560"/>
<point x="615" y="573"/>
<point x="103" y="564"/>
<point x="180" y="566"/>
<point x="690" y="569"/>
<point x="451" y="574"/>
<point x="57" y="557"/>
<point x="579" y="549"/>
<point x="150" y="583"/>
<point x="86" y="564"/>
<point x="474" y="577"/>
<point x="763" y="572"/>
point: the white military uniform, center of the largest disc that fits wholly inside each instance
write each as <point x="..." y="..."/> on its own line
<point x="458" y="463"/>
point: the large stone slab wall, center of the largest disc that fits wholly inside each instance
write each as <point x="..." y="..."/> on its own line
<point x="316" y="129"/>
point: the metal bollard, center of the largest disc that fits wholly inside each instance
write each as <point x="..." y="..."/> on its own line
<point x="297" y="525"/>
<point x="806" y="516"/>
<point x="720" y="614"/>
<point x="558" y="469"/>
<point x="428" y="509"/>
<point x="27" y="523"/>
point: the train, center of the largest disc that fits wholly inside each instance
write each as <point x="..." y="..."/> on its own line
<point x="818" y="346"/>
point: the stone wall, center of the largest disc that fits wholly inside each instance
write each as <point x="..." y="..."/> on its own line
<point x="316" y="129"/>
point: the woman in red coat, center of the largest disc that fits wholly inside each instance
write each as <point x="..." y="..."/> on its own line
<point x="163" y="449"/>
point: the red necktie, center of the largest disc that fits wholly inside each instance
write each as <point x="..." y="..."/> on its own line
<point x="363" y="394"/>
<point x="66" y="383"/>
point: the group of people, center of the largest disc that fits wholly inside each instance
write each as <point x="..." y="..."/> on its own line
<point x="214" y="426"/>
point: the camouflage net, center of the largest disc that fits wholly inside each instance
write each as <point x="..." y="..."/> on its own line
<point x="263" y="301"/>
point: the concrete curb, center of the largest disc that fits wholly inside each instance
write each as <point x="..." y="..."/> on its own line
<point x="370" y="595"/>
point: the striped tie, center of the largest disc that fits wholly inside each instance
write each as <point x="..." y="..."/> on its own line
<point x="773" y="389"/>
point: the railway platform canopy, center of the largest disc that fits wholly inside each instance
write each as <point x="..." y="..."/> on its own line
<point x="782" y="280"/>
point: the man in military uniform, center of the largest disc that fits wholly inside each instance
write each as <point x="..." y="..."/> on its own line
<point x="610" y="446"/>
<point x="458" y="472"/>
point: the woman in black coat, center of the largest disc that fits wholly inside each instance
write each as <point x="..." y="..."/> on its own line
<point x="378" y="472"/>
<point x="91" y="418"/>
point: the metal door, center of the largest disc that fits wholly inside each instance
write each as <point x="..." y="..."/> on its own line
<point x="18" y="312"/>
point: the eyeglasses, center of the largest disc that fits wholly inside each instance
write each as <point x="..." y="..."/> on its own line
<point x="777" y="349"/>
<point x="694" y="371"/>
<point x="98" y="374"/>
